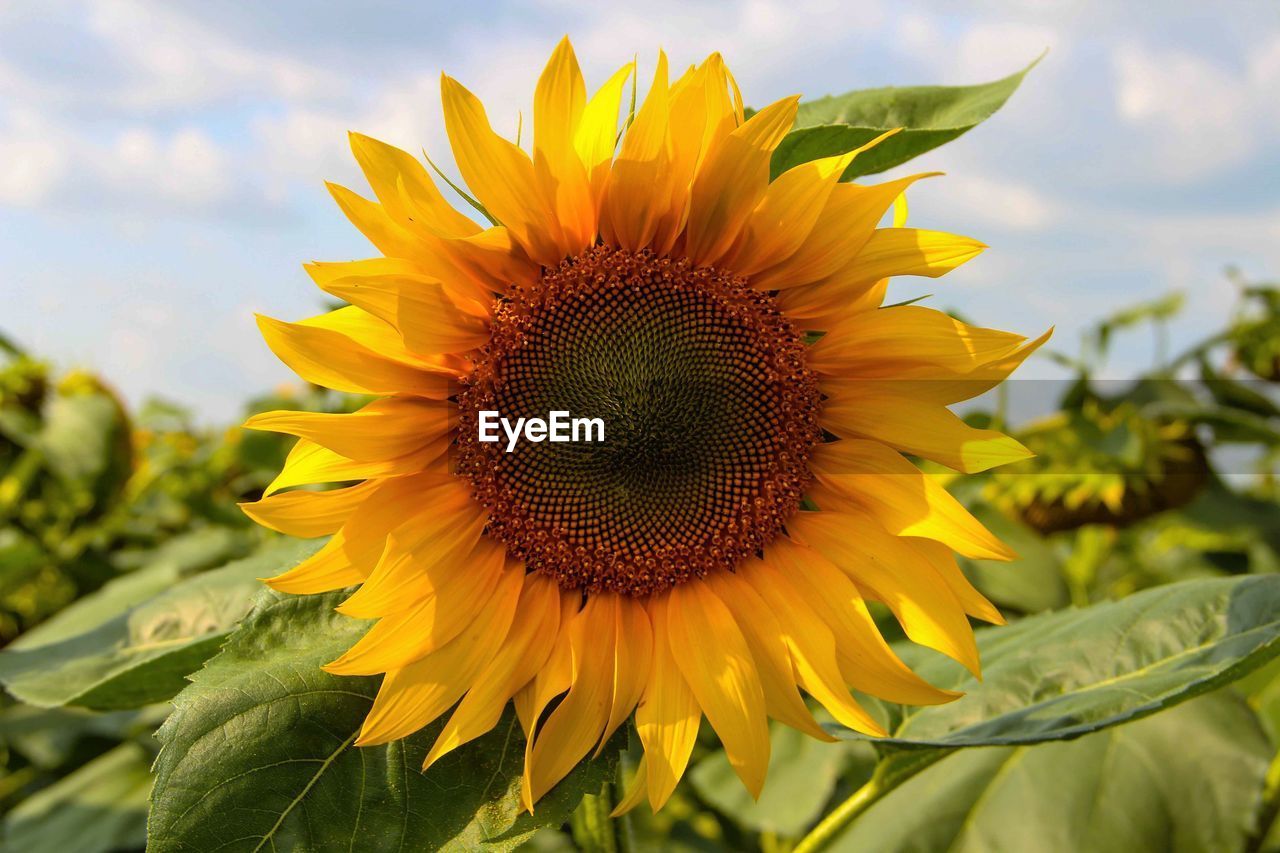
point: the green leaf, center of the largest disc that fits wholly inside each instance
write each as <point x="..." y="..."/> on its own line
<point x="143" y="654"/>
<point x="258" y="754"/>
<point x="86" y="442"/>
<point x="1061" y="675"/>
<point x="803" y="774"/>
<point x="1187" y="780"/>
<point x="101" y="806"/>
<point x="929" y="115"/>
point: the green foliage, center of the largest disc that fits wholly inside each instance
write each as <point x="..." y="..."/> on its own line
<point x="259" y="753"/>
<point x="1187" y="780"/>
<point x="928" y="115"/>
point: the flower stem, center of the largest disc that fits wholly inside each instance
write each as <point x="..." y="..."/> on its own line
<point x="888" y="775"/>
<point x="593" y="831"/>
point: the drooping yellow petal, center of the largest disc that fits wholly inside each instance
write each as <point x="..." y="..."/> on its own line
<point x="419" y="308"/>
<point x="373" y="221"/>
<point x="558" y="104"/>
<point x="812" y="647"/>
<point x="878" y="563"/>
<point x="638" y="193"/>
<point x="384" y="429"/>
<point x="351" y="554"/>
<point x="523" y="652"/>
<point x="632" y="653"/>
<point x="435" y="543"/>
<point x="845" y="225"/>
<point x="309" y="514"/>
<point x="732" y="181"/>
<point x="401" y="638"/>
<point x="939" y="556"/>
<point x="386" y="167"/>
<point x="905" y="500"/>
<point x="768" y="645"/>
<point x="333" y="360"/>
<point x="868" y="409"/>
<point x="414" y="696"/>
<point x="576" y="724"/>
<point x="814" y="586"/>
<point x="908" y="342"/>
<point x="500" y="174"/>
<point x="722" y="676"/>
<point x="668" y="716"/>
<point x="555" y="677"/>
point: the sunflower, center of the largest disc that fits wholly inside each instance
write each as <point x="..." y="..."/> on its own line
<point x="716" y="554"/>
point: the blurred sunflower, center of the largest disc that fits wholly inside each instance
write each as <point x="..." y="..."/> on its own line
<point x="715" y="554"/>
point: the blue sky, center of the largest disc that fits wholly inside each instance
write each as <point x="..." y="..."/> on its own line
<point x="162" y="164"/>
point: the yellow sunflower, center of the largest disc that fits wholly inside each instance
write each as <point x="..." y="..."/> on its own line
<point x="715" y="554"/>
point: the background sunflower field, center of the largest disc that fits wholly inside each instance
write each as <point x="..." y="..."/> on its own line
<point x="1131" y="704"/>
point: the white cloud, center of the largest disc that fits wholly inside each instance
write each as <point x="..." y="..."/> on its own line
<point x="1197" y="116"/>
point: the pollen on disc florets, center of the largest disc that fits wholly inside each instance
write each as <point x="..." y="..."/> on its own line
<point x="710" y="412"/>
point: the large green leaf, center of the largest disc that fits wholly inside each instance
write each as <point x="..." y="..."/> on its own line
<point x="143" y="654"/>
<point x="929" y="115"/>
<point x="1061" y="675"/>
<point x="258" y="755"/>
<point x="101" y="806"/>
<point x="803" y="776"/>
<point x="1185" y="780"/>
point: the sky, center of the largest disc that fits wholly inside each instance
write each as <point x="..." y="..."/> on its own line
<point x="162" y="165"/>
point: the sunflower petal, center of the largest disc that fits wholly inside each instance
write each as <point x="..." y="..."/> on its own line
<point x="419" y="308"/>
<point x="905" y="500"/>
<point x="523" y="652"/>
<point x="309" y="514"/>
<point x="668" y="716"/>
<point x="384" y="429"/>
<point x="877" y="562"/>
<point x="386" y="168"/>
<point x="639" y="188"/>
<point x="732" y="181"/>
<point x="328" y="358"/>
<point x="722" y="676"/>
<point x="414" y="696"/>
<point x="558" y="104"/>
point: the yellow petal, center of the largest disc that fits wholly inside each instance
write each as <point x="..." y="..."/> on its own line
<point x="351" y="554"/>
<point x="846" y="223"/>
<point x="790" y="209"/>
<point x="821" y="589"/>
<point x="438" y="541"/>
<point x="908" y="342"/>
<point x="668" y="716"/>
<point x="500" y="174"/>
<point x="913" y="251"/>
<point x="419" y="308"/>
<point x="386" y="167"/>
<point x="632" y="652"/>
<point x="939" y="556"/>
<point x="733" y="180"/>
<point x="769" y="649"/>
<point x="309" y="464"/>
<point x="817" y="307"/>
<point x="575" y="726"/>
<point x="558" y="104"/>
<point x="597" y="133"/>
<point x="523" y="652"/>
<point x="384" y="429"/>
<point x="722" y="676"/>
<point x="638" y="194"/>
<point x="879" y="563"/>
<point x="333" y="360"/>
<point x="905" y="500"/>
<point x="308" y="514"/>
<point x="414" y="696"/>
<point x="401" y="638"/>
<point x="866" y="409"/>
<point x="373" y="221"/>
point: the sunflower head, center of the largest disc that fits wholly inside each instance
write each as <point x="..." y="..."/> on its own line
<point x="715" y="554"/>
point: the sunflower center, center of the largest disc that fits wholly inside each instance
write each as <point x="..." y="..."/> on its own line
<point x="709" y="414"/>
